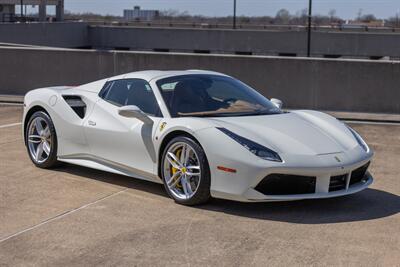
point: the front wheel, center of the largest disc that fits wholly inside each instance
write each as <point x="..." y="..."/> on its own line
<point x="185" y="172"/>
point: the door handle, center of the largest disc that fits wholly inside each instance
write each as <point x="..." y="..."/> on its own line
<point x="92" y="123"/>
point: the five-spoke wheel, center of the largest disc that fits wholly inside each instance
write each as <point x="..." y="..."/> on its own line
<point x="41" y="140"/>
<point x="185" y="171"/>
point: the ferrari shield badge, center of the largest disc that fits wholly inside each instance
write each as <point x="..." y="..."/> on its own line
<point x="162" y="126"/>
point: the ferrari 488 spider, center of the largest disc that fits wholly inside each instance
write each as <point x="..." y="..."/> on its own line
<point x="202" y="134"/>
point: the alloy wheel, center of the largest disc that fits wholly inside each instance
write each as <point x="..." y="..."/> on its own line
<point x="182" y="170"/>
<point x="39" y="140"/>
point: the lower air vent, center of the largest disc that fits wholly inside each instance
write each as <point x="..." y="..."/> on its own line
<point x="282" y="184"/>
<point x="358" y="174"/>
<point x="337" y="183"/>
<point x="77" y="104"/>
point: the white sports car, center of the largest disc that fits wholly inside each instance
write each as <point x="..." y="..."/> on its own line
<point x="200" y="133"/>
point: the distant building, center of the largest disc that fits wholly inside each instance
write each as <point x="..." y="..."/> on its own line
<point x="8" y="12"/>
<point x="363" y="24"/>
<point x="140" y="14"/>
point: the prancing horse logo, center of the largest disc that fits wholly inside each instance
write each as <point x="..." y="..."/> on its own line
<point x="162" y="126"/>
<point x="337" y="159"/>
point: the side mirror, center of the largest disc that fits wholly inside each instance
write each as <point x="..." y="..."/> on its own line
<point x="134" y="112"/>
<point x="278" y="103"/>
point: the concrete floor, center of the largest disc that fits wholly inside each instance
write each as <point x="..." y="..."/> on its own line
<point x="74" y="216"/>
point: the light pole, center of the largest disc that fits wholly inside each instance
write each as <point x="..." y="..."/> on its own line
<point x="234" y="14"/>
<point x="22" y="9"/>
<point x="309" y="28"/>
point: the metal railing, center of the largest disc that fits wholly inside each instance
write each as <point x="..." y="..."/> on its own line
<point x="245" y="26"/>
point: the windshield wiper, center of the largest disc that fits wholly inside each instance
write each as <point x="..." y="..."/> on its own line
<point x="256" y="113"/>
<point x="234" y="114"/>
<point x="210" y="115"/>
<point x="268" y="112"/>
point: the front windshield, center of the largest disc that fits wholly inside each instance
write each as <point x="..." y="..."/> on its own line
<point x="200" y="95"/>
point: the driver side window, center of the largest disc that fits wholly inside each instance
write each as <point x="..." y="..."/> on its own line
<point x="131" y="92"/>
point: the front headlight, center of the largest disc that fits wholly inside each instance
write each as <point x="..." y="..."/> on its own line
<point x="257" y="149"/>
<point x="359" y="139"/>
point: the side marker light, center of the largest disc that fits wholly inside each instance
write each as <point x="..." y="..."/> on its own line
<point x="225" y="169"/>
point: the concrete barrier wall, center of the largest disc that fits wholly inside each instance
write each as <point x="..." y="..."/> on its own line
<point x="356" y="44"/>
<point x="265" y="42"/>
<point x="61" y="34"/>
<point x="189" y="40"/>
<point x="350" y="44"/>
<point x="339" y="85"/>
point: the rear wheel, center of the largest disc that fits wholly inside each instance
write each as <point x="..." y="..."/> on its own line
<point x="185" y="172"/>
<point x="41" y="140"/>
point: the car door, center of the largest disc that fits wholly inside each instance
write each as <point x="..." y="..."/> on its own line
<point x="125" y="144"/>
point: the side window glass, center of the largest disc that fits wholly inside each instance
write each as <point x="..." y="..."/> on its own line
<point x="131" y="92"/>
<point x="104" y="90"/>
<point x="117" y="92"/>
<point x="141" y="95"/>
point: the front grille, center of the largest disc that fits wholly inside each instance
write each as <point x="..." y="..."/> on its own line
<point x="283" y="184"/>
<point x="337" y="183"/>
<point x="358" y="174"/>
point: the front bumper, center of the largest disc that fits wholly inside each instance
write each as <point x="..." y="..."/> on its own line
<point x="250" y="170"/>
<point x="253" y="195"/>
<point x="323" y="185"/>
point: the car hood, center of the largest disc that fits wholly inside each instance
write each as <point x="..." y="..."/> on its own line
<point x="297" y="132"/>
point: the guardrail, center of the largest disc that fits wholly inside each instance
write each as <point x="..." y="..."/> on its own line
<point x="329" y="44"/>
<point x="251" y="26"/>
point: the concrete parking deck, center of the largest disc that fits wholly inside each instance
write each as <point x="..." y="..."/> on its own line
<point x="74" y="216"/>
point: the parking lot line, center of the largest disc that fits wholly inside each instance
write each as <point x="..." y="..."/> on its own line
<point x="10" y="125"/>
<point x="10" y="104"/>
<point x="372" y="122"/>
<point x="61" y="215"/>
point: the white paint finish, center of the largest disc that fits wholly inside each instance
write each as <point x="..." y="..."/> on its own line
<point x="307" y="141"/>
<point x="322" y="185"/>
<point x="127" y="141"/>
<point x="281" y="133"/>
<point x="53" y="100"/>
<point x="251" y="170"/>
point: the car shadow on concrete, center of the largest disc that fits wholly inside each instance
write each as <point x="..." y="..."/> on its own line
<point x="114" y="179"/>
<point x="369" y="204"/>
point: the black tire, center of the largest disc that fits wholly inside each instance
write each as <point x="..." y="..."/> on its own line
<point x="51" y="161"/>
<point x="202" y="195"/>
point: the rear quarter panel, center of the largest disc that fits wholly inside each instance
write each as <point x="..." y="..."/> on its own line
<point x="68" y="124"/>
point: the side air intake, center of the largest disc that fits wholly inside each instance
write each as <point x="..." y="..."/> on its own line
<point x="77" y="104"/>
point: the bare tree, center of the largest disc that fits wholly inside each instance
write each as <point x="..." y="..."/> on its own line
<point x="332" y="14"/>
<point x="300" y="18"/>
<point x="394" y="21"/>
<point x="282" y="16"/>
<point x="367" y="18"/>
<point x="359" y="14"/>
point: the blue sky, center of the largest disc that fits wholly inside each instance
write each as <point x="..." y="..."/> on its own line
<point x="345" y="8"/>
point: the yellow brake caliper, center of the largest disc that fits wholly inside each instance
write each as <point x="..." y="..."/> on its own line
<point x="173" y="169"/>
